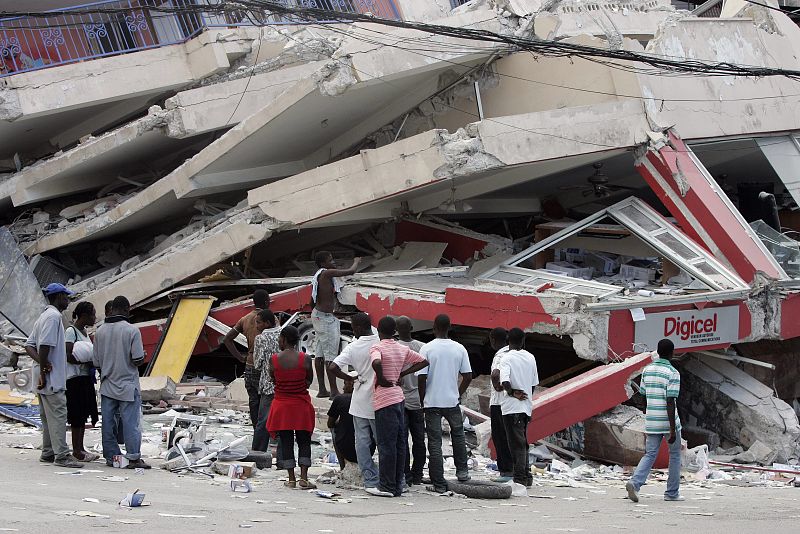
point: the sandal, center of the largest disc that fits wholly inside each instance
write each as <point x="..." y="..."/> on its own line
<point x="305" y="484"/>
<point x="290" y="484"/>
<point x="89" y="457"/>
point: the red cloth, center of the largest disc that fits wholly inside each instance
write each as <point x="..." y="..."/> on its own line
<point x="291" y="408"/>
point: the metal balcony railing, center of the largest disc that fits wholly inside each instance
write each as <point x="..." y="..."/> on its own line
<point x="32" y="43"/>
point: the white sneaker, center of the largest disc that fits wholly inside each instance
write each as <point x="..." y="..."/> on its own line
<point x="378" y="492"/>
<point x="678" y="498"/>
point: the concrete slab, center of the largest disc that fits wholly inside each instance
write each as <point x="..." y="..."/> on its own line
<point x="98" y="161"/>
<point x="484" y="157"/>
<point x="65" y="103"/>
<point x="328" y="112"/>
<point x="740" y="416"/>
<point x="240" y="229"/>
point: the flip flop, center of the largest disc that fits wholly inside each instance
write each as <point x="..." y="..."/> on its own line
<point x="305" y="484"/>
<point x="89" y="457"/>
<point x="290" y="484"/>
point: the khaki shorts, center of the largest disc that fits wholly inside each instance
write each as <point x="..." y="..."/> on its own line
<point x="327" y="335"/>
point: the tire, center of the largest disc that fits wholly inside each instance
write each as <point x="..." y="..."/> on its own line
<point x="306" y="330"/>
<point x="479" y="489"/>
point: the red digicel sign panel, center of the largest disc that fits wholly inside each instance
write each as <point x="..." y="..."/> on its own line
<point x="690" y="328"/>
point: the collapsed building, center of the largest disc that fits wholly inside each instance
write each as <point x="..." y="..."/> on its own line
<point x="600" y="205"/>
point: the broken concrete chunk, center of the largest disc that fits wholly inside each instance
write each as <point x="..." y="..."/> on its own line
<point x="236" y="391"/>
<point x="745" y="411"/>
<point x="757" y="453"/>
<point x="156" y="388"/>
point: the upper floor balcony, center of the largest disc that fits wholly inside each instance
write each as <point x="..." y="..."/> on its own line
<point x="101" y="29"/>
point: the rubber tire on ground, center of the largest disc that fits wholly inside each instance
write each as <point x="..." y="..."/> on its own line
<point x="480" y="489"/>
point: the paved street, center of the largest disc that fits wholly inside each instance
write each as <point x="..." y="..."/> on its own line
<point x="35" y="498"/>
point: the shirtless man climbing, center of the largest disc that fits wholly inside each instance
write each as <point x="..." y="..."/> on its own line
<point x="325" y="288"/>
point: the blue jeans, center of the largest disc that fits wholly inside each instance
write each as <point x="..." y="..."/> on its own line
<point x="392" y="445"/>
<point x="365" y="448"/>
<point x="260" y="434"/>
<point x="433" y="427"/>
<point x="415" y="425"/>
<point x="652" y="445"/>
<point x="129" y="413"/>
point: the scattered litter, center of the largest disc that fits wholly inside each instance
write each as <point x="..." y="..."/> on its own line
<point x="245" y="525"/>
<point x="83" y="513"/>
<point x="182" y="516"/>
<point x="705" y="514"/>
<point x="543" y="496"/>
<point x="501" y="523"/>
<point x="131" y="521"/>
<point x="91" y="499"/>
<point x="114" y="479"/>
<point x="133" y="500"/>
<point x="325" y="494"/>
<point x="242" y="486"/>
<point x="261" y="520"/>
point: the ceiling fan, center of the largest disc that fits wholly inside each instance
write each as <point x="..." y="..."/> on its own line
<point x="598" y="184"/>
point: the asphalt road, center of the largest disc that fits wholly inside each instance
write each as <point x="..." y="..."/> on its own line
<point x="35" y="498"/>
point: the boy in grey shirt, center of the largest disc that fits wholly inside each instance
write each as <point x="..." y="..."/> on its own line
<point x="415" y="417"/>
<point x="118" y="352"/>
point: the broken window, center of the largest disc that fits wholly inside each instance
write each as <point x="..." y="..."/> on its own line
<point x="782" y="247"/>
<point x="626" y="254"/>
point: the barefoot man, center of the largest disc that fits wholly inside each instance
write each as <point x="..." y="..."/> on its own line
<point x="324" y="290"/>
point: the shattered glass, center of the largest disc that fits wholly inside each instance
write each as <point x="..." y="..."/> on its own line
<point x="782" y="247"/>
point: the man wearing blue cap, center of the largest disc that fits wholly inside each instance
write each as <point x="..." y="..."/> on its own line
<point x="47" y="347"/>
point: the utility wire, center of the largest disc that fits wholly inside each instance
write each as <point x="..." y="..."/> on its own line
<point x="542" y="47"/>
<point x="353" y="34"/>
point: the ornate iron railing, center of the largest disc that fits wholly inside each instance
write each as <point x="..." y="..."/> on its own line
<point x="67" y="36"/>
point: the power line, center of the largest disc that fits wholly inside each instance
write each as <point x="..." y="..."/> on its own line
<point x="256" y="9"/>
<point x="354" y="35"/>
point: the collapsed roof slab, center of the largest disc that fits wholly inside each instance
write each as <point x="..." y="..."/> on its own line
<point x="612" y="20"/>
<point x="422" y="170"/>
<point x="64" y="103"/>
<point x="318" y="115"/>
<point x="240" y="229"/>
<point x="97" y="161"/>
<point x="723" y="106"/>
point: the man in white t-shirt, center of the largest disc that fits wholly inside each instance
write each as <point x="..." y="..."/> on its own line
<point x="498" y="339"/>
<point x="441" y="393"/>
<point x="356" y="355"/>
<point x="519" y="377"/>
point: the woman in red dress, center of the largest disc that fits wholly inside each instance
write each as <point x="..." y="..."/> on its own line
<point x="292" y="415"/>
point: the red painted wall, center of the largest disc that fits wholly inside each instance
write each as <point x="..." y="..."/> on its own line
<point x="459" y="247"/>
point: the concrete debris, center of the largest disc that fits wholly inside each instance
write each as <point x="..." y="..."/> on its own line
<point x="464" y="154"/>
<point x="745" y="411"/>
<point x="336" y="76"/>
<point x="156" y="388"/>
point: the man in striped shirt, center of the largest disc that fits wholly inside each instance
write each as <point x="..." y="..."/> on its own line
<point x="661" y="385"/>
<point x="391" y="362"/>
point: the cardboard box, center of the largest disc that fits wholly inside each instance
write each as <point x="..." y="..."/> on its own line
<point x="635" y="272"/>
<point x="569" y="269"/>
<point x="119" y="461"/>
<point x="236" y="470"/>
<point x="604" y="264"/>
<point x="571" y="255"/>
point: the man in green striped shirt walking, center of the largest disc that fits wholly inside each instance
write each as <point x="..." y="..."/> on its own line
<point x="661" y="385"/>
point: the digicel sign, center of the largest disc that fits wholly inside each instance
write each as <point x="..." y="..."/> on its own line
<point x="690" y="328"/>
